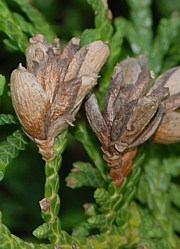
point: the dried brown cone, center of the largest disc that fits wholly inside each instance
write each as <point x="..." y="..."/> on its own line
<point x="47" y="95"/>
<point x="131" y="115"/>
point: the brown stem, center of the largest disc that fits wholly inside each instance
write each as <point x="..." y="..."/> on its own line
<point x="120" y="164"/>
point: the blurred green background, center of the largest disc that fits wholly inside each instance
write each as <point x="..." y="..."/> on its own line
<point x="22" y="187"/>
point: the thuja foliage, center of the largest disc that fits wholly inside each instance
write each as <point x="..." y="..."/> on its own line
<point x="144" y="211"/>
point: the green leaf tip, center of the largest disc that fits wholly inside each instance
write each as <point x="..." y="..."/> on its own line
<point x="2" y="84"/>
<point x="42" y="231"/>
<point x="103" y="23"/>
<point x="7" y="119"/>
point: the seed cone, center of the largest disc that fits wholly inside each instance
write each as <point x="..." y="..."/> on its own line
<point x="131" y="115"/>
<point x="48" y="93"/>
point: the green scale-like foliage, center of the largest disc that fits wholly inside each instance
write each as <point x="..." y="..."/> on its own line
<point x="10" y="148"/>
<point x="144" y="212"/>
<point x="161" y="196"/>
<point x="16" y="27"/>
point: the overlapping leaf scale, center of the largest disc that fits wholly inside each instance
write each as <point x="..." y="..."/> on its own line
<point x="84" y="174"/>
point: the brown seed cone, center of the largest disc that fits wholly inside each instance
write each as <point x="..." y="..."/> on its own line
<point x="48" y="93"/>
<point x="130" y="117"/>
